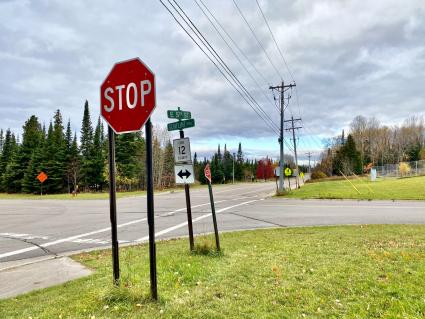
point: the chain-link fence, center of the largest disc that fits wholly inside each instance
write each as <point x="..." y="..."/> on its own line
<point x="402" y="169"/>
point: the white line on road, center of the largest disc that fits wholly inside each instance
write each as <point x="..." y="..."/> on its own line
<point x="170" y="229"/>
<point x="73" y="238"/>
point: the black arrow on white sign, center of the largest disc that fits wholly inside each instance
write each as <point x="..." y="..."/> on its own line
<point x="181" y="174"/>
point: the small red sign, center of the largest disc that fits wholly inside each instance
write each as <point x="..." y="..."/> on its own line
<point x="207" y="172"/>
<point x="42" y="177"/>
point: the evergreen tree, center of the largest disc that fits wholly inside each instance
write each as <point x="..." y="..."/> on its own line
<point x="239" y="164"/>
<point x="97" y="160"/>
<point x="1" y="140"/>
<point x="86" y="146"/>
<point x="59" y="168"/>
<point x="32" y="138"/>
<point x="216" y="166"/>
<point x="6" y="155"/>
<point x="227" y="165"/>
<point x="10" y="165"/>
<point x="347" y="159"/>
<point x="74" y="163"/>
<point x="126" y="160"/>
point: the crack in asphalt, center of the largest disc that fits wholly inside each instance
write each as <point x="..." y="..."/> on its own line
<point x="47" y="251"/>
<point x="256" y="219"/>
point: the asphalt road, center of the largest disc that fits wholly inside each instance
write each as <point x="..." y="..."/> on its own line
<point x="34" y="228"/>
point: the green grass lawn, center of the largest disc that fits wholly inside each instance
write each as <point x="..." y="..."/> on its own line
<point x="319" y="272"/>
<point x="103" y="195"/>
<point x="391" y="188"/>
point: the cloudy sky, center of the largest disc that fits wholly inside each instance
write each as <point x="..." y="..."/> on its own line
<point x="347" y="57"/>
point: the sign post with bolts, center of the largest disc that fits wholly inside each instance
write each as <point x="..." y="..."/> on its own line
<point x="207" y="173"/>
<point x="127" y="98"/>
<point x="288" y="173"/>
<point x="183" y="168"/>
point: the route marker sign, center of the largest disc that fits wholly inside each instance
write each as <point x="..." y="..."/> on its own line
<point x="42" y="177"/>
<point x="180" y="125"/>
<point x="184" y="174"/>
<point x="127" y="96"/>
<point x="182" y="152"/>
<point x="179" y="115"/>
<point x="288" y="172"/>
<point x="207" y="172"/>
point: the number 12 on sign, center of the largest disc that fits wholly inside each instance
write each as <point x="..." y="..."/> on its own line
<point x="181" y="148"/>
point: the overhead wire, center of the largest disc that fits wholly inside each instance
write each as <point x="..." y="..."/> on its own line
<point x="258" y="41"/>
<point x="235" y="85"/>
<point x="275" y="42"/>
<point x="232" y="50"/>
<point x="281" y="55"/>
<point x="235" y="44"/>
<point x="219" y="59"/>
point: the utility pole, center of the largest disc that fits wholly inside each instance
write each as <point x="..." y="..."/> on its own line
<point x="233" y="174"/>
<point x="293" y="128"/>
<point x="281" y="89"/>
<point x="309" y="157"/>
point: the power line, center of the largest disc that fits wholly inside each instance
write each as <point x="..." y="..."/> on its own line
<point x="218" y="57"/>
<point x="256" y="38"/>
<point x="233" y="51"/>
<point x="212" y="61"/>
<point x="275" y="42"/>
<point x="235" y="44"/>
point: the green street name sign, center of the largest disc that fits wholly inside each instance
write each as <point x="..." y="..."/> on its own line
<point x="180" y="115"/>
<point x="180" y="125"/>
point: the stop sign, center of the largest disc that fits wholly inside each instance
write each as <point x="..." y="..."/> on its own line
<point x="207" y="172"/>
<point x="127" y="96"/>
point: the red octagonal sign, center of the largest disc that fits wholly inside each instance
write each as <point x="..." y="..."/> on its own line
<point x="127" y="96"/>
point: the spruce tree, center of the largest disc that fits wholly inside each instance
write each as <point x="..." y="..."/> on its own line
<point x="97" y="161"/>
<point x="6" y="155"/>
<point x="32" y="138"/>
<point x="227" y="165"/>
<point x="11" y="165"/>
<point x="1" y="140"/>
<point x="239" y="164"/>
<point x="86" y="146"/>
<point x="74" y="164"/>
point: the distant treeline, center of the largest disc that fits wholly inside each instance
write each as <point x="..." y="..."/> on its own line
<point x="81" y="165"/>
<point x="370" y="143"/>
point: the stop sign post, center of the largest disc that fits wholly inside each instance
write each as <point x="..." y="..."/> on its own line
<point x="127" y="100"/>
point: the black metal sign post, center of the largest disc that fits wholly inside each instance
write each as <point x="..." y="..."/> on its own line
<point x="150" y="207"/>
<point x="113" y="206"/>
<point x="189" y="209"/>
<point x="217" y="239"/>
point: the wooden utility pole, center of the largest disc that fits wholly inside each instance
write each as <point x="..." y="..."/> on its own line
<point x="309" y="157"/>
<point x="293" y="128"/>
<point x="281" y="89"/>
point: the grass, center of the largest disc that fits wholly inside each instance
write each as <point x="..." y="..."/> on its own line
<point x="412" y="188"/>
<point x="84" y="196"/>
<point x="318" y="272"/>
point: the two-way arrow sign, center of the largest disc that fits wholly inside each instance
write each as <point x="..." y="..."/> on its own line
<point x="184" y="174"/>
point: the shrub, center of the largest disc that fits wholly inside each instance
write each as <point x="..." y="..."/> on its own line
<point x="404" y="168"/>
<point x="318" y="175"/>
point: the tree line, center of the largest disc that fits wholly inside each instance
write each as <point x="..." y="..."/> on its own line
<point x="81" y="164"/>
<point x="370" y="143"/>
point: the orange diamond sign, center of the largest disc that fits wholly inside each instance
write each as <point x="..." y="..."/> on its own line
<point x="42" y="177"/>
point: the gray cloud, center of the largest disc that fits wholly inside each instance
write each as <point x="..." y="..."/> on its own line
<point x="348" y="58"/>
